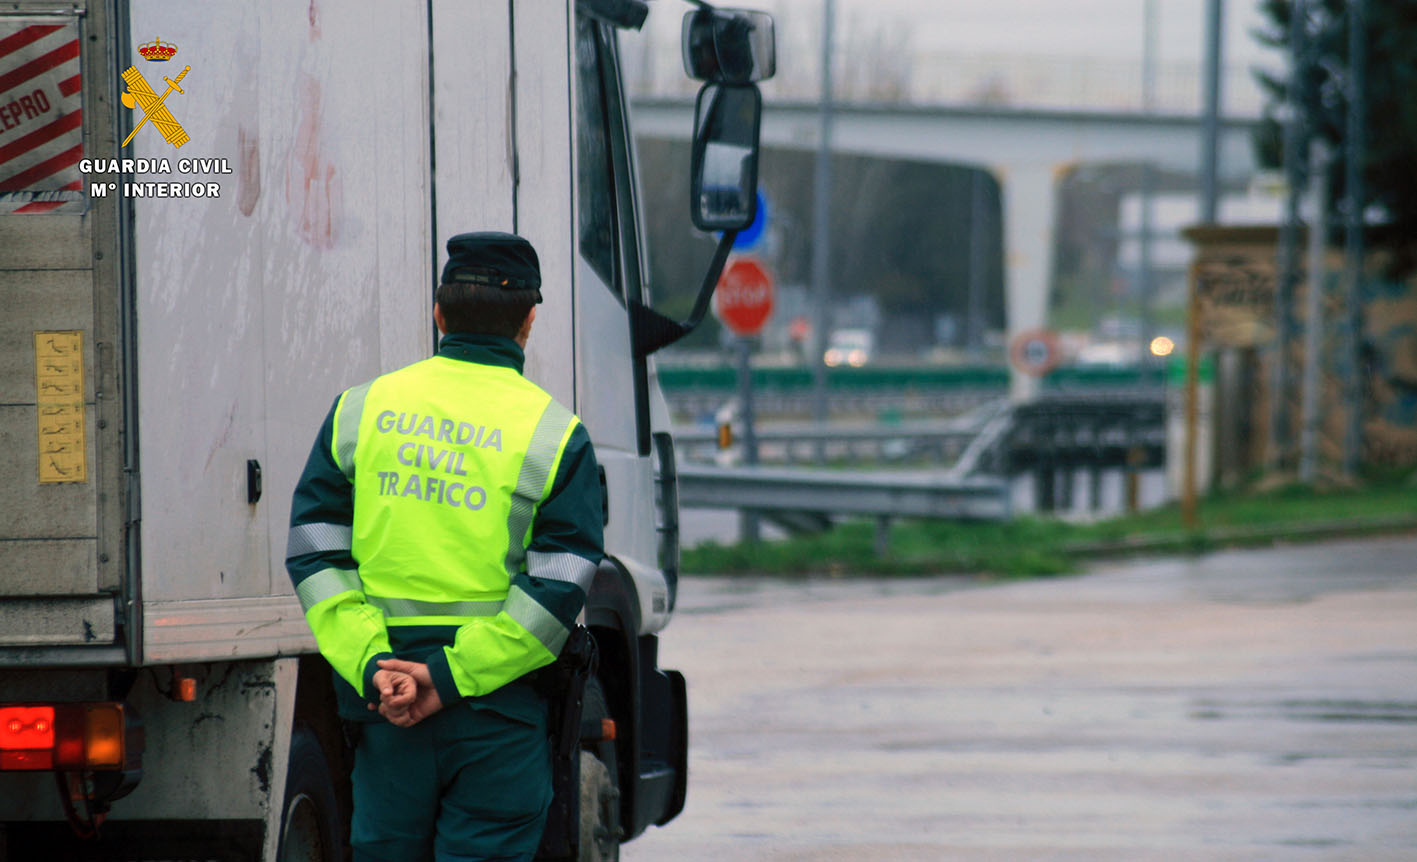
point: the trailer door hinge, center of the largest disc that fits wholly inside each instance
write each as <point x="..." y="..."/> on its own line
<point x="134" y="500"/>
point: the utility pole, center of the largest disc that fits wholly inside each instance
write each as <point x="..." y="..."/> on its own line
<point x="749" y="531"/>
<point x="1147" y="279"/>
<point x="1313" y="312"/>
<point x="1210" y="156"/>
<point x="1210" y="149"/>
<point x="1288" y="264"/>
<point x="1355" y="153"/>
<point x="821" y="237"/>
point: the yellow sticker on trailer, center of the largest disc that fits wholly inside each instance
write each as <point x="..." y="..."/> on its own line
<point x="59" y="405"/>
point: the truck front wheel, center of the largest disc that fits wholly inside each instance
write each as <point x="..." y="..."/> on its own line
<point x="310" y="823"/>
<point x="600" y="789"/>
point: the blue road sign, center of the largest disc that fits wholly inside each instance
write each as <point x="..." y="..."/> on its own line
<point x="750" y="236"/>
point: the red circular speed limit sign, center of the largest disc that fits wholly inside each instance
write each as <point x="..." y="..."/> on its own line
<point x="1035" y="352"/>
<point x="743" y="298"/>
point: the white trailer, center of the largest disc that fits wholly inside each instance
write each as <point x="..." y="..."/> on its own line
<point x="179" y="312"/>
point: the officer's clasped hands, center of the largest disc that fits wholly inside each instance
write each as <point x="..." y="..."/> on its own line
<point x="406" y="692"/>
<point x="397" y="690"/>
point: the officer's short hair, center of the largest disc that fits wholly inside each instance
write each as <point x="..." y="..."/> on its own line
<point x="482" y="309"/>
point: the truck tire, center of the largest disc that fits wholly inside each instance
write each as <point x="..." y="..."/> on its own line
<point x="310" y="822"/>
<point x="600" y="789"/>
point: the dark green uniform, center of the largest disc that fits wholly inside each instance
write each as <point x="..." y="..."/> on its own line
<point x="449" y="513"/>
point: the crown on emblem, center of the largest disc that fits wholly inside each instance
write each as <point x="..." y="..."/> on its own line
<point x="157" y="50"/>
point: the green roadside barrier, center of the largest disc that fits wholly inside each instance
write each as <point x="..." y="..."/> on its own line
<point x="872" y="378"/>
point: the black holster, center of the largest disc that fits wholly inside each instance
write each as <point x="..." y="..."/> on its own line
<point x="563" y="685"/>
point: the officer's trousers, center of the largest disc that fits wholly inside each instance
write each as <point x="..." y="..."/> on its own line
<point x="463" y="784"/>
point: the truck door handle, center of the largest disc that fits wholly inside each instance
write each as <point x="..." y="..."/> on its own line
<point x="253" y="481"/>
<point x="604" y="497"/>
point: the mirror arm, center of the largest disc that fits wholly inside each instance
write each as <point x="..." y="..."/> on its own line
<point x="653" y="330"/>
<point x="701" y="305"/>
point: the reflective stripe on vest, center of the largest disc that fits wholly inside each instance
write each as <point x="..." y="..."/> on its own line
<point x="315" y="538"/>
<point x="346" y="427"/>
<point x="396" y="608"/>
<point x="326" y="584"/>
<point x="542" y="455"/>
<point x="564" y="567"/>
<point x="530" y="614"/>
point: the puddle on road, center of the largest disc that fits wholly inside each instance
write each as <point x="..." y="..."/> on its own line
<point x="712" y="594"/>
<point x="1326" y="711"/>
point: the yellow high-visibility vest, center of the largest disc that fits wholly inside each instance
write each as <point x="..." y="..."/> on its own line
<point x="450" y="461"/>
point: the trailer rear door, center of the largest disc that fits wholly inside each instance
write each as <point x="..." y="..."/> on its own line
<point x="62" y="502"/>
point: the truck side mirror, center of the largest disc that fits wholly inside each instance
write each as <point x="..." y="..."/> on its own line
<point x="723" y="186"/>
<point x="729" y="46"/>
<point x="730" y="49"/>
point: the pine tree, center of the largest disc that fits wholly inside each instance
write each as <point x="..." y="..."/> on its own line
<point x="1390" y="158"/>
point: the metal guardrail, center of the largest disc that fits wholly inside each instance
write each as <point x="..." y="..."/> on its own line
<point x="829" y="492"/>
<point x="809" y="431"/>
<point x="1052" y="435"/>
<point x="904" y="495"/>
<point x="791" y="443"/>
<point x="943" y="440"/>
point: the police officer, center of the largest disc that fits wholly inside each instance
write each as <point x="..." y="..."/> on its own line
<point x="442" y="537"/>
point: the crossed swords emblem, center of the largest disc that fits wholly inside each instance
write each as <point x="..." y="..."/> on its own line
<point x="140" y="94"/>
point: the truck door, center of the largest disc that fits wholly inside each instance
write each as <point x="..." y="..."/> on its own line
<point x="608" y="275"/>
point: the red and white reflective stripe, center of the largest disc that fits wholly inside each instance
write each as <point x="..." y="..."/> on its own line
<point x="41" y="117"/>
<point x="43" y="206"/>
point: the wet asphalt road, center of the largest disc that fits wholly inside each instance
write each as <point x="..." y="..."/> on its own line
<point x="1249" y="705"/>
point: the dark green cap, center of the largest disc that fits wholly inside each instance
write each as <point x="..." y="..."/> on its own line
<point x="493" y="258"/>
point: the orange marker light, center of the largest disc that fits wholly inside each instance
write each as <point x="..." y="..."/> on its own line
<point x="103" y="736"/>
<point x="186" y="689"/>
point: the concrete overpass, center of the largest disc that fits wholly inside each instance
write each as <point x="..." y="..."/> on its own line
<point x="1027" y="151"/>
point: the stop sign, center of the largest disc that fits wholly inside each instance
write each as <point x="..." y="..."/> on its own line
<point x="743" y="298"/>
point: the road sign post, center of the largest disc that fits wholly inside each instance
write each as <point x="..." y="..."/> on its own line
<point x="743" y="300"/>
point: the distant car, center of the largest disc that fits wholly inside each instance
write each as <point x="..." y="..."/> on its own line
<point x="853" y="347"/>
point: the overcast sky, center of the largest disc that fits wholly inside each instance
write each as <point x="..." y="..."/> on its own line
<point x="1097" y="28"/>
<point x="1053" y="53"/>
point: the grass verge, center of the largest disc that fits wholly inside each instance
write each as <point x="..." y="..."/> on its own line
<point x="1031" y="546"/>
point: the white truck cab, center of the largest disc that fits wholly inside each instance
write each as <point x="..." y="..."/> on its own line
<point x="214" y="218"/>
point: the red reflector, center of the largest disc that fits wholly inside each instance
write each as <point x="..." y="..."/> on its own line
<point x="26" y="728"/>
<point x="15" y="760"/>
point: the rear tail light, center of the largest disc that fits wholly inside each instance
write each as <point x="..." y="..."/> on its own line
<point x="62" y="736"/>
